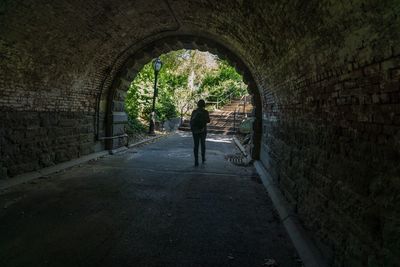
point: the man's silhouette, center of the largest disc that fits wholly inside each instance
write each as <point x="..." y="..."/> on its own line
<point x="198" y="125"/>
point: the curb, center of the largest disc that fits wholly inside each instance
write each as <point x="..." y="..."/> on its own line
<point x="146" y="140"/>
<point x="242" y="149"/>
<point x="26" y="177"/>
<point x="308" y="252"/>
<point x="239" y="145"/>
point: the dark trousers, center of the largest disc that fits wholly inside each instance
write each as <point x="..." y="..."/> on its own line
<point x="199" y="138"/>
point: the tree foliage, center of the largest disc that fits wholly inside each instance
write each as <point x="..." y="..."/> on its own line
<point x="224" y="83"/>
<point x="185" y="77"/>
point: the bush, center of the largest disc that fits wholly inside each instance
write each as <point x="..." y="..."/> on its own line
<point x="185" y="77"/>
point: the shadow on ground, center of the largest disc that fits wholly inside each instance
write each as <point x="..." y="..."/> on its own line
<point x="146" y="207"/>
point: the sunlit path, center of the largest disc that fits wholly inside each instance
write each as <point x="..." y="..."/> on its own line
<point x="148" y="206"/>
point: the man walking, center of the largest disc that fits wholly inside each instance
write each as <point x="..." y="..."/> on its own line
<point x="198" y="125"/>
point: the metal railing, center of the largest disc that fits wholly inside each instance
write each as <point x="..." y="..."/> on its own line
<point x="220" y="100"/>
<point x="234" y="120"/>
<point x="244" y="99"/>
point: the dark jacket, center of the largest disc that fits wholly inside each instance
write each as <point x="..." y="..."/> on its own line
<point x="198" y="121"/>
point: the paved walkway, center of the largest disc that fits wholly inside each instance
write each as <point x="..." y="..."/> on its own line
<point x="146" y="207"/>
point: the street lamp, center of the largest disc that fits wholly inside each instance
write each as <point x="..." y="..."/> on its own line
<point x="157" y="66"/>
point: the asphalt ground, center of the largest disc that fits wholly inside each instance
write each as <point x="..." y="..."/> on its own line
<point x="148" y="206"/>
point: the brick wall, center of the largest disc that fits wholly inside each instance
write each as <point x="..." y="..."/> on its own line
<point x="331" y="133"/>
<point x="335" y="154"/>
<point x="328" y="73"/>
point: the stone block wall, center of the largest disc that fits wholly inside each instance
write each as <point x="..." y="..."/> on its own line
<point x="33" y="140"/>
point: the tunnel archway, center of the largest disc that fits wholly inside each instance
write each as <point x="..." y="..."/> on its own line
<point x="110" y="105"/>
<point x="328" y="73"/>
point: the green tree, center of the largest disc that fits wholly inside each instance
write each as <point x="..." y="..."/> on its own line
<point x="186" y="76"/>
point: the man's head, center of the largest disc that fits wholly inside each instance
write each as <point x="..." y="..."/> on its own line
<point x="201" y="103"/>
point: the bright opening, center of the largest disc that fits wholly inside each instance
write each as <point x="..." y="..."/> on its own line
<point x="185" y="77"/>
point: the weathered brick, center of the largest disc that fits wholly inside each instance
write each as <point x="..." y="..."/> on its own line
<point x="317" y="66"/>
<point x="395" y="73"/>
<point x="372" y="69"/>
<point x="375" y="98"/>
<point x="390" y="86"/>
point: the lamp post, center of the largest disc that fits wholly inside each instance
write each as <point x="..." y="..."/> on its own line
<point x="157" y="66"/>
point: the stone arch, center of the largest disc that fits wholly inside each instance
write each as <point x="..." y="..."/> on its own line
<point x="111" y="100"/>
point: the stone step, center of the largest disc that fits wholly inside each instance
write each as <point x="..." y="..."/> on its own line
<point x="229" y="111"/>
<point x="222" y="132"/>
<point x="224" y="122"/>
<point x="221" y="114"/>
<point x="230" y="122"/>
<point x="236" y="105"/>
<point x="226" y="117"/>
<point x="223" y="129"/>
<point x="213" y="131"/>
<point x="218" y="124"/>
<point x="222" y="118"/>
<point x="215" y="126"/>
<point x="233" y="110"/>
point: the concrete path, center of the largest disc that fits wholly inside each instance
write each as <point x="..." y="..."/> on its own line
<point x="146" y="207"/>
